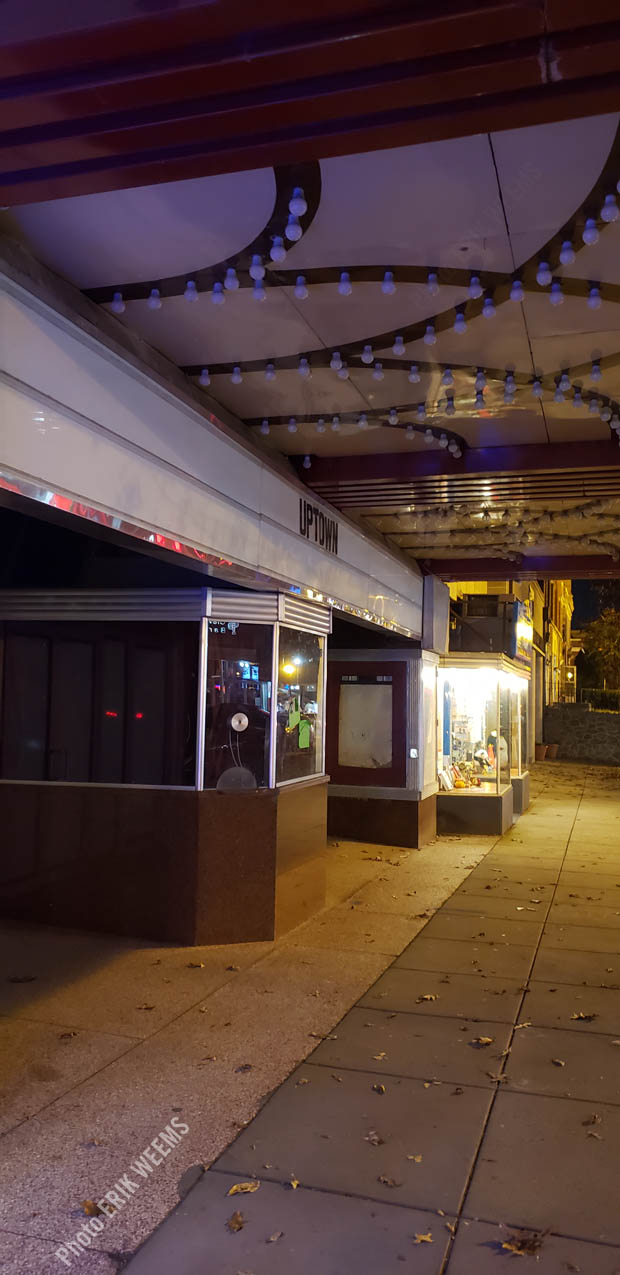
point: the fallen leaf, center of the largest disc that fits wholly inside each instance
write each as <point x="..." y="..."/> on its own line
<point x="378" y="1088"/>
<point x="593" y="1119"/>
<point x="388" y="1181"/>
<point x="380" y="1057"/>
<point x="456" y="1092"/>
<point x="272" y="1239"/>
<point x="481" y="1042"/>
<point x="524" y="1243"/>
<point x="22" y="978"/>
<point x="145" y="1007"/>
<point x="90" y="1208"/>
<point x="558" y="1062"/>
<point x="195" y="965"/>
<point x="244" y="1067"/>
<point x="417" y="1159"/>
<point x="236" y="1221"/>
<point x="592" y="1134"/>
<point x="233" y="967"/>
<point x="293" y="1184"/>
<point x="428" y="996"/>
<point x="304" y="1081"/>
<point x="374" y="1138"/>
<point x="243" y="1188"/>
<point x="423" y="1239"/>
<point x="67" y="1035"/>
<point x="583" y="1017"/>
<point x="518" y="1026"/>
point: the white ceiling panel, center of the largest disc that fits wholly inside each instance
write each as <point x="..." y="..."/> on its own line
<point x="500" y="342"/>
<point x="575" y="427"/>
<point x="574" y="315"/>
<point x="571" y="349"/>
<point x="337" y="320"/>
<point x="598" y="261"/>
<point x="289" y="395"/>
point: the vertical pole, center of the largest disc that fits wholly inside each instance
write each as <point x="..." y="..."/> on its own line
<point x="273" y="717"/>
<point x="324" y="706"/>
<point x="201" y="706"/>
<point x="497" y="738"/>
<point x="519" y="707"/>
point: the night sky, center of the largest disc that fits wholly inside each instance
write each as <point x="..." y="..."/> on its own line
<point x="590" y="599"/>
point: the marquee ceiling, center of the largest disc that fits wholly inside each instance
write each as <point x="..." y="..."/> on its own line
<point x="418" y="269"/>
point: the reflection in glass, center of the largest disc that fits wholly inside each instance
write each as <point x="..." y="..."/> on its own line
<point x="505" y="738"/>
<point x="299" y="743"/>
<point x="238" y="705"/>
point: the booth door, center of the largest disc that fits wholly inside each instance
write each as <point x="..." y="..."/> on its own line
<point x="367" y="723"/>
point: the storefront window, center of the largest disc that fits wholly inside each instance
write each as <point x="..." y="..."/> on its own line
<point x="504" y="740"/>
<point x="299" y="742"/>
<point x="470" y="730"/>
<point x="239" y="670"/>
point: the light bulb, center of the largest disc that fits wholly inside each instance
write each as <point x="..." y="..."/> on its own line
<point x="421" y="412"/>
<point x="335" y="362"/>
<point x="479" y="399"/>
<point x="320" y="425"/>
<point x="453" y="446"/>
<point x="270" y="372"/>
<point x="594" y="298"/>
<point x="292" y="425"/>
<point x="393" y="416"/>
<point x="543" y="274"/>
<point x="117" y="305"/>
<point x="595" y="372"/>
<point x="335" y="424"/>
<point x="343" y="372"/>
<point x="264" y="428"/>
<point x="457" y="453"/>
<point x="556" y="296"/>
<point x="293" y="229"/>
<point x="377" y="372"/>
<point x="590" y="232"/>
<point x="236" y="377"/>
<point x="510" y="383"/>
<point x="217" y="294"/>
<point x="443" y="440"/>
<point x="577" y="397"/>
<point x="398" y="347"/>
<point x="257" y="269"/>
<point x="450" y="408"/>
<point x="509" y="397"/>
<point x="277" y="251"/>
<point x="304" y="367"/>
<point x="154" y="299"/>
<point x="564" y="382"/>
<point x="432" y="283"/>
<point x="362" y="420"/>
<point x="258" y="291"/>
<point x="615" y="422"/>
<point x="605" y="413"/>
<point x="307" y="462"/>
<point x="516" y="291"/>
<point x="191" y="291"/>
<point x="388" y="286"/>
<point x="429" y="437"/>
<point x="460" y="323"/>
<point x="558" y="397"/>
<point x="297" y="204"/>
<point x="567" y="253"/>
<point x="609" y="211"/>
<point x="345" y="287"/>
<point x="409" y="432"/>
<point x="429" y="337"/>
<point x="204" y="379"/>
<point x="231" y="282"/>
<point x="475" y="287"/>
<point x="414" y="375"/>
<point x="537" y="389"/>
<point x="488" y="308"/>
<point x="367" y="355"/>
<point x="480" y="382"/>
<point x="593" y="406"/>
<point x="447" y="378"/>
<point x="300" y="290"/>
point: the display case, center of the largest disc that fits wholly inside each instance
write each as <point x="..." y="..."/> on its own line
<point x="483" y="704"/>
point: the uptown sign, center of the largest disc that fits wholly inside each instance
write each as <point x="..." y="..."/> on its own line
<point x="317" y="526"/>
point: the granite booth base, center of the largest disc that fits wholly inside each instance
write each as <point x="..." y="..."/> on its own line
<point x="521" y="793"/>
<point x="388" y="821"/>
<point x="173" y="865"/>
<point x="474" y="812"/>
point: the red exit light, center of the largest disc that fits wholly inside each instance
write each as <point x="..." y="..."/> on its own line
<point x="139" y="716"/>
<point x="109" y="713"/>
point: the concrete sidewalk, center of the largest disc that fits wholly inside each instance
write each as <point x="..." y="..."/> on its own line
<point x="467" y="1109"/>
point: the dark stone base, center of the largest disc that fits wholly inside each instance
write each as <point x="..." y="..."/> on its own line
<point x="382" y="820"/>
<point x="176" y="866"/>
<point x="468" y="812"/>
<point x="521" y="793"/>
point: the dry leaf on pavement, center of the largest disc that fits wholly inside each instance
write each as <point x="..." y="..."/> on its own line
<point x="236" y="1221"/>
<point x="272" y="1239"/>
<point x="423" y="1239"/>
<point x="388" y="1181"/>
<point x="243" y="1188"/>
<point x="90" y="1208"/>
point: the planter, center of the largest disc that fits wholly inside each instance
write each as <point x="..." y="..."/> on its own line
<point x="552" y="751"/>
<point x="540" y="752"/>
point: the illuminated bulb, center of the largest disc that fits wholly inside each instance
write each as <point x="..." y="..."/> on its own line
<point x="292" y="425"/>
<point x="335" y="362"/>
<point x="307" y="462"/>
<point x="362" y="421"/>
<point x="615" y="422"/>
<point x="388" y="286"/>
<point x="475" y="287"/>
<point x="453" y="446"/>
<point x="429" y="437"/>
<point x="320" y="426"/>
<point x="609" y="211"/>
<point x="393" y="416"/>
<point x="204" y="379"/>
<point x="398" y="347"/>
<point x="367" y="355"/>
<point x="191" y="292"/>
<point x="577" y="397"/>
<point x="343" y="372"/>
<point x="231" y="282"/>
<point x="414" y="375"/>
<point x="543" y="274"/>
<point x="443" y="440"/>
<point x="450" y="408"/>
<point x="410" y="432"/>
<point x="457" y="453"/>
<point x="605" y="413"/>
<point x="537" y="389"/>
<point x="154" y="299"/>
<point x="480" y="382"/>
<point x="217" y="294"/>
<point x="488" y="308"/>
<point x="429" y="337"/>
<point x="300" y="290"/>
<point x="377" y="372"/>
<point x="257" y="269"/>
<point x="432" y="283"/>
<point x="556" y="296"/>
<point x="516" y="291"/>
<point x="236" y="377"/>
<point x="258" y="291"/>
<point x="264" y="428"/>
<point x="460" y="323"/>
<point x="594" y="298"/>
<point x="421" y="412"/>
<point x="304" y="368"/>
<point x="447" y="378"/>
<point x="270" y="372"/>
<point x="277" y="251"/>
<point x="510" y="383"/>
<point x="567" y="253"/>
<point x="293" y="229"/>
<point x="297" y="204"/>
<point x="595" y="373"/>
<point x="509" y="397"/>
<point x="117" y="305"/>
<point x="593" y="406"/>
<point x="590" y="232"/>
<point x="344" y="287"/>
<point x="335" y="424"/>
<point x="564" y="382"/>
<point x="558" y="397"/>
<point x="479" y="399"/>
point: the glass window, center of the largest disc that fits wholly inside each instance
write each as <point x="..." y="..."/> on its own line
<point x="429" y="712"/>
<point x="504" y="742"/>
<point x="365" y="724"/>
<point x="239" y="668"/>
<point x="299" y="744"/>
<point x="470" y="752"/>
